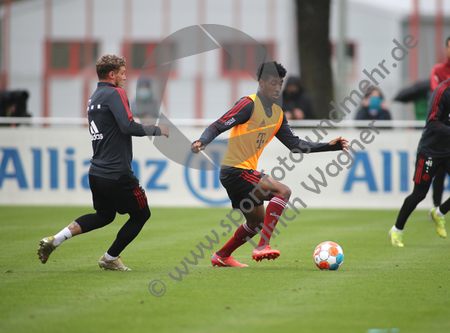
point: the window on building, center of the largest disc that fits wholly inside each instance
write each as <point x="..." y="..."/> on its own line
<point x="349" y="50"/>
<point x="72" y="56"/>
<point x="351" y="59"/>
<point x="85" y="58"/>
<point x="246" y="57"/>
<point x="60" y="56"/>
<point x="138" y="53"/>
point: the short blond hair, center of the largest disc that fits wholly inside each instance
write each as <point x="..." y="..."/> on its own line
<point x="108" y="63"/>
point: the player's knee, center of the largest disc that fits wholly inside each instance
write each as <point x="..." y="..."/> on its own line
<point x="421" y="196"/>
<point x="106" y="216"/>
<point x="286" y="192"/>
<point x="254" y="224"/>
<point x="141" y="215"/>
<point x="147" y="213"/>
<point x="420" y="192"/>
<point x="416" y="197"/>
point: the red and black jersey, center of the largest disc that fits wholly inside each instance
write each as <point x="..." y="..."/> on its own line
<point x="112" y="126"/>
<point x="435" y="140"/>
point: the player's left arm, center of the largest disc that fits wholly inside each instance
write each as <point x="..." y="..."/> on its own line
<point x="287" y="137"/>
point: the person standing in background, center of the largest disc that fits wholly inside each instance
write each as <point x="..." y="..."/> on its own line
<point x="296" y="104"/>
<point x="373" y="107"/>
<point x="433" y="154"/>
<point x="145" y="106"/>
<point x="440" y="73"/>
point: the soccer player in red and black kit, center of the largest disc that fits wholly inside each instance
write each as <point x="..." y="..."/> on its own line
<point x="113" y="184"/>
<point x="433" y="153"/>
<point x="440" y="73"/>
<point x="254" y="121"/>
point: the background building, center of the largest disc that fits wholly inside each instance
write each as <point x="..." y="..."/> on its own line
<point x="48" y="47"/>
<point x="53" y="44"/>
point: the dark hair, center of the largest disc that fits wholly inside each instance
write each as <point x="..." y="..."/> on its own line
<point x="446" y="41"/>
<point x="370" y="89"/>
<point x="108" y="63"/>
<point x="270" y="68"/>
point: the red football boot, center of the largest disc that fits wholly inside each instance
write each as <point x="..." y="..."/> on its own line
<point x="266" y="253"/>
<point x="219" y="261"/>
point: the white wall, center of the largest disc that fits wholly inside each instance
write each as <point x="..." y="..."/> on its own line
<point x="65" y="97"/>
<point x="147" y="23"/>
<point x="27" y="52"/>
<point x="372" y="29"/>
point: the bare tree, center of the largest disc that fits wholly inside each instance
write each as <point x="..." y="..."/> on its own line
<point x="314" y="48"/>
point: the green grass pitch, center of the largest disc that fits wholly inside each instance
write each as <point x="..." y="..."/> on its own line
<point x="378" y="286"/>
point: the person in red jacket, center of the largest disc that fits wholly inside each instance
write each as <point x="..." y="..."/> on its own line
<point x="439" y="73"/>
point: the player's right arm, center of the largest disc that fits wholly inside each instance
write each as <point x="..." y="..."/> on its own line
<point x="239" y="114"/>
<point x="120" y="108"/>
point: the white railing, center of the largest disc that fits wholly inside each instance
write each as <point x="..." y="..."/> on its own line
<point x="38" y="121"/>
<point x="43" y="121"/>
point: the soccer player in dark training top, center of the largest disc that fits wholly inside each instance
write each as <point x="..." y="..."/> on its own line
<point x="113" y="184"/>
<point x="254" y="121"/>
<point x="439" y="73"/>
<point x="433" y="153"/>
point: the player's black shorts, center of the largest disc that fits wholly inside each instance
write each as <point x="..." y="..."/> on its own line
<point x="426" y="168"/>
<point x="123" y="195"/>
<point x="239" y="184"/>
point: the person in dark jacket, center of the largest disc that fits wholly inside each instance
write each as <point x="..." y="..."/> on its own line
<point x="296" y="104"/>
<point x="373" y="107"/>
<point x="433" y="153"/>
<point x="145" y="106"/>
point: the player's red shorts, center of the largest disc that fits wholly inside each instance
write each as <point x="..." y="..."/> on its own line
<point x="239" y="183"/>
<point x="426" y="168"/>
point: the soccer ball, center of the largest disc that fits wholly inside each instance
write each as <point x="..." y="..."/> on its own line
<point x="328" y="256"/>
